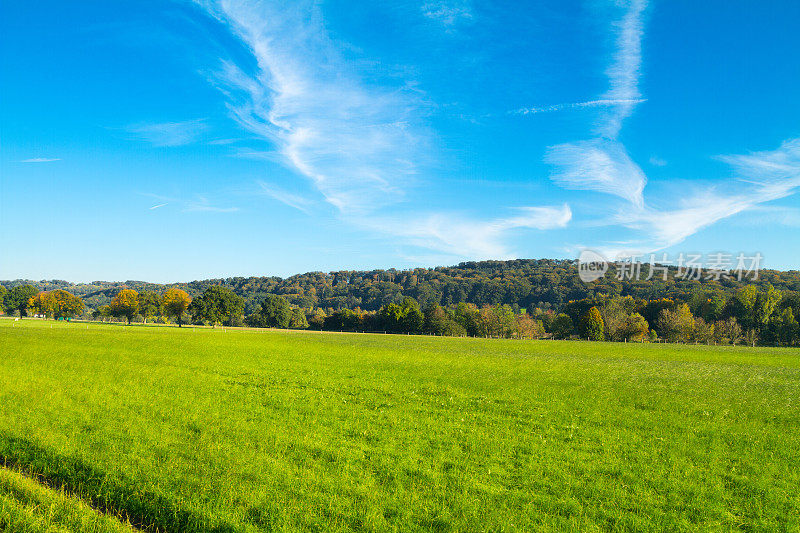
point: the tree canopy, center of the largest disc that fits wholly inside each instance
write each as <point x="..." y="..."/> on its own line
<point x="592" y="326"/>
<point x="175" y="303"/>
<point x="275" y="312"/>
<point x="218" y="305"/>
<point x="149" y="304"/>
<point x="125" y="304"/>
<point x="56" y="304"/>
<point x="18" y="298"/>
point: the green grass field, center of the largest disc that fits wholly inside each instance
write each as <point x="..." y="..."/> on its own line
<point x="205" y="430"/>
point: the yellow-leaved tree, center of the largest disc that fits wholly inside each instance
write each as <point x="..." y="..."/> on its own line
<point x="56" y="304"/>
<point x="43" y="304"/>
<point x="125" y="304"/>
<point x="175" y="304"/>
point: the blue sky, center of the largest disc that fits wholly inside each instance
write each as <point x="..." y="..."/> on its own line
<point x="171" y="141"/>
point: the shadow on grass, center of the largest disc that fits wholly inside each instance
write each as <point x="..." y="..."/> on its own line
<point x="144" y="509"/>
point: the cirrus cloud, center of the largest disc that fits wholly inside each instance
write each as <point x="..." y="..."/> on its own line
<point x="40" y="160"/>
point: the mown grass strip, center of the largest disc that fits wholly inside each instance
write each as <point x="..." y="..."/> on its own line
<point x="111" y="495"/>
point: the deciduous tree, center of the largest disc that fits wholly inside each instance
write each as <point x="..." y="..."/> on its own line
<point x="783" y="328"/>
<point x="439" y="322"/>
<point x="317" y="320"/>
<point x="615" y="314"/>
<point x="149" y="304"/>
<point x="562" y="326"/>
<point x="275" y="312"/>
<point x="742" y="306"/>
<point x="677" y="325"/>
<point x="468" y="316"/>
<point x="18" y="297"/>
<point x="413" y="320"/>
<point x="218" y="305"/>
<point x="528" y="328"/>
<point x="102" y="313"/>
<point x="751" y="337"/>
<point x="636" y="328"/>
<point x="43" y="304"/>
<point x="592" y="326"/>
<point x="727" y="331"/>
<point x="703" y="332"/>
<point x="56" y="304"/>
<point x="125" y="304"/>
<point x="766" y="303"/>
<point x="175" y="303"/>
<point x="343" y="320"/>
<point x="298" y="319"/>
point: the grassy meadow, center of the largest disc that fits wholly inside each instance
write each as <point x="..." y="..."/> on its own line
<point x="184" y="430"/>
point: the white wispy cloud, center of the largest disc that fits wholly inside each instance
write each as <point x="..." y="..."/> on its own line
<point x="199" y="203"/>
<point x="203" y="204"/>
<point x="667" y="227"/>
<point x="773" y="170"/>
<point x="623" y="72"/>
<point x="600" y="165"/>
<point x="761" y="177"/>
<point x="355" y="141"/>
<point x="40" y="160"/>
<point x="465" y="237"/>
<point x="773" y="214"/>
<point x="168" y="133"/>
<point x="576" y="105"/>
<point x="218" y="142"/>
<point x="604" y="165"/>
<point x="657" y="161"/>
<point x="291" y="199"/>
<point x="448" y="12"/>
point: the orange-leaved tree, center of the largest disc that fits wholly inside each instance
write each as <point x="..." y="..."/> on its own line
<point x="175" y="304"/>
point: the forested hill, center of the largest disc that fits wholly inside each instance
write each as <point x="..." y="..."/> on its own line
<point x="543" y="283"/>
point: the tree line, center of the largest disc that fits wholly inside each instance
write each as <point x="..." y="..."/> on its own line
<point x="127" y="304"/>
<point x="750" y="315"/>
<point x="522" y="284"/>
